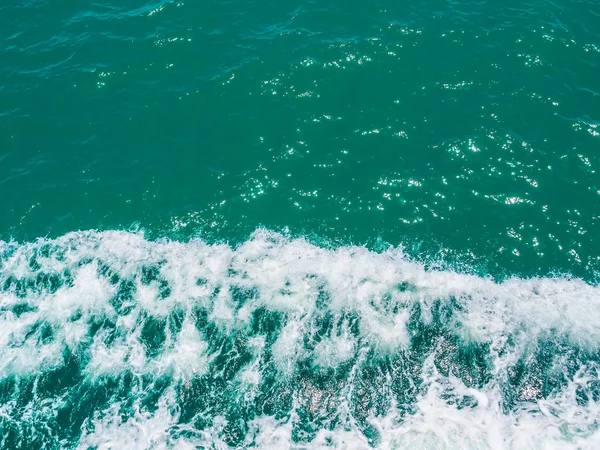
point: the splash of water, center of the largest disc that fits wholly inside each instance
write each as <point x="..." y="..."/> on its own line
<point x="109" y="340"/>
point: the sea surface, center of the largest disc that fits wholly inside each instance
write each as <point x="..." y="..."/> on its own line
<point x="305" y="224"/>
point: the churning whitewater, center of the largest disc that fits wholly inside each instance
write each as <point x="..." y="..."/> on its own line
<point x="108" y="340"/>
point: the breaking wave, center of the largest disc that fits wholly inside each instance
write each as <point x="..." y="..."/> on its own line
<point x="108" y="340"/>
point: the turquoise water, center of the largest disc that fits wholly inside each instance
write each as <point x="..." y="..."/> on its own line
<point x="300" y="225"/>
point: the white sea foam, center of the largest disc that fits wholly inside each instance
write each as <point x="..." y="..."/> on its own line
<point x="111" y="284"/>
<point x="336" y="349"/>
<point x="555" y="423"/>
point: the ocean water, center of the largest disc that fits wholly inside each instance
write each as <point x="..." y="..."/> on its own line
<point x="313" y="224"/>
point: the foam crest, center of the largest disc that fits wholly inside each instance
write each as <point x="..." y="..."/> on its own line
<point x="281" y="343"/>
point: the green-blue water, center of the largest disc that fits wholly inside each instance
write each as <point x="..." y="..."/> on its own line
<point x="231" y="224"/>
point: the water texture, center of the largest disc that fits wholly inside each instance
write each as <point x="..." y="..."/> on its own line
<point x="349" y="225"/>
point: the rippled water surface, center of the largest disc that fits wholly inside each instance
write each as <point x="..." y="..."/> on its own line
<point x="299" y="225"/>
